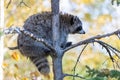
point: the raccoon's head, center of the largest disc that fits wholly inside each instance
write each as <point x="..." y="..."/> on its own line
<point x="76" y="25"/>
<point x="71" y="24"/>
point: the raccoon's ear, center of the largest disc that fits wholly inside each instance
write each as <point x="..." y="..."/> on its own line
<point x="72" y="20"/>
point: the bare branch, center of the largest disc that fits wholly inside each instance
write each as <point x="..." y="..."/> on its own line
<point x="22" y="2"/>
<point x="22" y="31"/>
<point x="13" y="48"/>
<point x="114" y="52"/>
<point x="78" y="76"/>
<point x="110" y="47"/>
<point x="116" y="64"/>
<point x="8" y="3"/>
<point x="107" y="51"/>
<point x="74" y="69"/>
<point x="90" y="40"/>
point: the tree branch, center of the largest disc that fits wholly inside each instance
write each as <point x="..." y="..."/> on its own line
<point x="108" y="47"/>
<point x="25" y="32"/>
<point x="114" y="50"/>
<point x="22" y="2"/>
<point x="78" y="76"/>
<point x="74" y="69"/>
<point x="8" y="3"/>
<point x="57" y="60"/>
<point x="90" y="40"/>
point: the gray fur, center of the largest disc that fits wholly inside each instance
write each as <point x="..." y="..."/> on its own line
<point x="40" y="25"/>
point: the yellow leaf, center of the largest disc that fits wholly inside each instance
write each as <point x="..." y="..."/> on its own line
<point x="87" y="1"/>
<point x="87" y="16"/>
<point x="15" y="56"/>
<point x="16" y="66"/>
<point x="25" y="79"/>
<point x="4" y="65"/>
<point x="35" y="73"/>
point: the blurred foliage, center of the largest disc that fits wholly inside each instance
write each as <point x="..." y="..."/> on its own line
<point x="98" y="17"/>
<point x="103" y="74"/>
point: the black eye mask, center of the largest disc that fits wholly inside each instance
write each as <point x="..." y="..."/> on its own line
<point x="78" y="29"/>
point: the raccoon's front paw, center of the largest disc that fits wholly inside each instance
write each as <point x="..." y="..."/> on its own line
<point x="66" y="45"/>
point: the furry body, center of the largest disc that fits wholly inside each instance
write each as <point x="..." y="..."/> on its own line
<point x="41" y="25"/>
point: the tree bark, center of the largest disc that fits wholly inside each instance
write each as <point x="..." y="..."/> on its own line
<point x="57" y="68"/>
<point x="57" y="59"/>
<point x="55" y="22"/>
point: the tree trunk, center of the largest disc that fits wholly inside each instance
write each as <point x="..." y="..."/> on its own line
<point x="57" y="59"/>
<point x="57" y="68"/>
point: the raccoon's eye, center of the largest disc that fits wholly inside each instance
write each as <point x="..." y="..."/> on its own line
<point x="78" y="29"/>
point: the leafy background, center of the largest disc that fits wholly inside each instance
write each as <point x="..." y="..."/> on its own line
<point x="98" y="17"/>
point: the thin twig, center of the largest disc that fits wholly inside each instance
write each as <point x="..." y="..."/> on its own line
<point x="105" y="61"/>
<point x="116" y="62"/>
<point x="22" y="2"/>
<point x="8" y="3"/>
<point x="13" y="48"/>
<point x="74" y="69"/>
<point x="110" y="47"/>
<point x="78" y="76"/>
<point x="108" y="52"/>
<point x="114" y="52"/>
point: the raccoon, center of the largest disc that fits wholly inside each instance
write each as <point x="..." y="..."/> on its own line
<point x="40" y="24"/>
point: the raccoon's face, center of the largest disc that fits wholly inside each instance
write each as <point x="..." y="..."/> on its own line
<point x="76" y="25"/>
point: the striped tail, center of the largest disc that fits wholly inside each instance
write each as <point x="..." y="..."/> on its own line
<point x="42" y="64"/>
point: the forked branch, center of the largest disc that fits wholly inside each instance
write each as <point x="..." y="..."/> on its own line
<point x="107" y="47"/>
<point x="22" y="2"/>
<point x="92" y="39"/>
<point x="74" y="76"/>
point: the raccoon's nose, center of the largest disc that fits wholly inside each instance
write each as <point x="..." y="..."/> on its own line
<point x="82" y="32"/>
